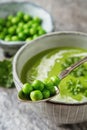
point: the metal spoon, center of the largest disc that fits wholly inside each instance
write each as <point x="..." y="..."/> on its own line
<point x="62" y="75"/>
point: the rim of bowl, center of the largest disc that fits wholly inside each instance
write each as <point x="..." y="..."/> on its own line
<point x="13" y="43"/>
<point x="18" y="81"/>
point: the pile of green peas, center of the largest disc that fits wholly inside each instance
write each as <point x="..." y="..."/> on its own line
<point x="20" y="27"/>
<point x="39" y="90"/>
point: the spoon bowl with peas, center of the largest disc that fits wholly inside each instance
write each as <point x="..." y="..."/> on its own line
<point x="40" y="91"/>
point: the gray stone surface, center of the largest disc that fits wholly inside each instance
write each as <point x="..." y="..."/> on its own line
<point x="14" y="115"/>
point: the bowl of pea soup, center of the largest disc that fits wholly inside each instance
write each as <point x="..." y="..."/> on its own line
<point x="21" y="22"/>
<point x="48" y="56"/>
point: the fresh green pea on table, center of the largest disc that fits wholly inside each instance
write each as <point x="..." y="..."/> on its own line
<point x="20" y="27"/>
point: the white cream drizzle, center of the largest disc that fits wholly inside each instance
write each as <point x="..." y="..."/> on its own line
<point x="82" y="54"/>
<point x="47" y="63"/>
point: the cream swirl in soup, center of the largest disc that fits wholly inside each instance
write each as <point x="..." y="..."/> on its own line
<point x="51" y="62"/>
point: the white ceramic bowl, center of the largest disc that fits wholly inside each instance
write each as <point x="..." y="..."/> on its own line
<point x="10" y="8"/>
<point x="54" y="112"/>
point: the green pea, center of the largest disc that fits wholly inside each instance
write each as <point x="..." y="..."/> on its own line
<point x="55" y="80"/>
<point x="35" y="36"/>
<point x="38" y="85"/>
<point x="27" y="17"/>
<point x="50" y="86"/>
<point x="32" y="31"/>
<point x="12" y="30"/>
<point x="14" y="38"/>
<point x="20" y="24"/>
<point x="35" y="25"/>
<point x="2" y="21"/>
<point x="46" y="93"/>
<point x="2" y="36"/>
<point x="27" y="88"/>
<point x="8" y="24"/>
<point x="36" y="95"/>
<point x="28" y="39"/>
<point x="52" y="90"/>
<point x="85" y="93"/>
<point x="25" y="26"/>
<point x="5" y="31"/>
<point x="23" y="96"/>
<point x="7" y="38"/>
<point x="37" y="19"/>
<point x="26" y="31"/>
<point x="20" y="14"/>
<point x="1" y="28"/>
<point x="41" y="32"/>
<point x="39" y="28"/>
<point x="21" y="35"/>
<point x="15" y="20"/>
<point x="48" y="83"/>
<point x="19" y="29"/>
<point x="10" y="17"/>
<point x="30" y="23"/>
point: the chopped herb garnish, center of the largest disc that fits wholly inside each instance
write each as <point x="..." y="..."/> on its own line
<point x="6" y="77"/>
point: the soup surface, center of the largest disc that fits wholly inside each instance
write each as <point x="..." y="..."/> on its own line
<point x="52" y="62"/>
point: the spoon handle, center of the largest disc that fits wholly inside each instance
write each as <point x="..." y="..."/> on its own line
<point x="64" y="73"/>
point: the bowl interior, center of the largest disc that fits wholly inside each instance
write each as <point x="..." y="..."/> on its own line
<point x="45" y="42"/>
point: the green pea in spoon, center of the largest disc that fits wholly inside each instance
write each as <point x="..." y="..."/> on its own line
<point x="62" y="75"/>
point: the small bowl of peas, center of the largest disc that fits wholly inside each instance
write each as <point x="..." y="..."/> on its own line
<point x="22" y="22"/>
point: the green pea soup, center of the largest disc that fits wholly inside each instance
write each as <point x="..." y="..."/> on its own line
<point x="52" y="62"/>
